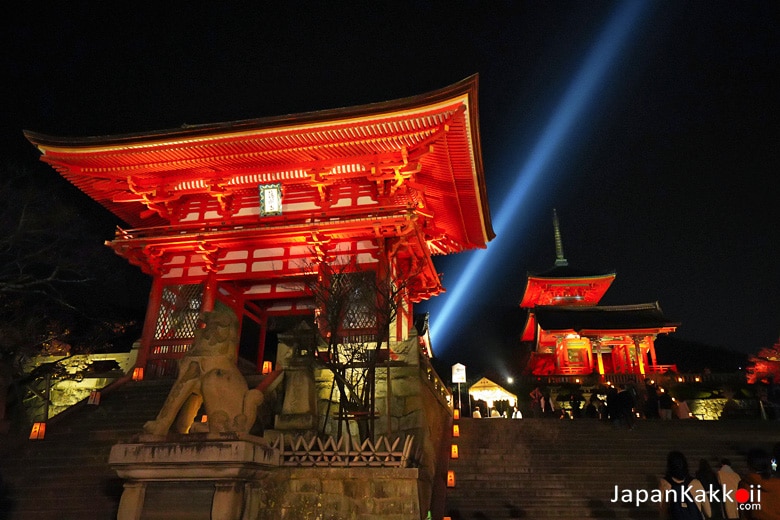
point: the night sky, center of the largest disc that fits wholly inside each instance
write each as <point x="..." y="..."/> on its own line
<point x="668" y="176"/>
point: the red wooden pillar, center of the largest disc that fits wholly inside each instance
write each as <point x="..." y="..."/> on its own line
<point x="408" y="306"/>
<point x="384" y="278"/>
<point x="560" y="347"/>
<point x="589" y="352"/>
<point x="618" y="359"/>
<point x="150" y="321"/>
<point x="631" y="348"/>
<point x="261" y="341"/>
<point x="627" y="365"/>
<point x="209" y="292"/>
<point x="600" y="359"/>
<point x="640" y="357"/>
<point x="651" y="349"/>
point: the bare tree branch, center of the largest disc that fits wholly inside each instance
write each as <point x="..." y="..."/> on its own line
<point x="355" y="310"/>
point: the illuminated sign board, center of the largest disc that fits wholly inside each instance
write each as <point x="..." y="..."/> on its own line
<point x="270" y="199"/>
<point x="458" y="373"/>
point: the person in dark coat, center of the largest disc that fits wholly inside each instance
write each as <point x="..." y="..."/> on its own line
<point x="707" y="476"/>
<point x="625" y="403"/>
<point x="612" y="404"/>
<point x="677" y="506"/>
<point x="665" y="404"/>
<point x="651" y="405"/>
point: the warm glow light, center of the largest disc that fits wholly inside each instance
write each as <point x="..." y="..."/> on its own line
<point x="138" y="374"/>
<point x="94" y="398"/>
<point x="455" y="430"/>
<point x="698" y="379"/>
<point x="38" y="431"/>
<point x="454" y="451"/>
<point x="456" y="414"/>
<point x="450" y="479"/>
<point x="679" y="379"/>
<point x="268" y="367"/>
<point x="577" y="380"/>
<point x="205" y="418"/>
<point x="510" y="380"/>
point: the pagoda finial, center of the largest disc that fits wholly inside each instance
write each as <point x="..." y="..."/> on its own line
<point x="559" y="258"/>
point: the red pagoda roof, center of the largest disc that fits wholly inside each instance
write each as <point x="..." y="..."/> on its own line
<point x="563" y="285"/>
<point x="597" y="320"/>
<point x="420" y="154"/>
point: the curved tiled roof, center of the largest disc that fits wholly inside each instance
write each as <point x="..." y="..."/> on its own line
<point x="431" y="141"/>
<point x="602" y="318"/>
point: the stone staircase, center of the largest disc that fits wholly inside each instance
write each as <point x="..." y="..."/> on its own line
<point x="507" y="469"/>
<point x="548" y="468"/>
<point x="66" y="475"/>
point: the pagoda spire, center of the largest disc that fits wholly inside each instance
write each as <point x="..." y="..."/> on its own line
<point x="559" y="258"/>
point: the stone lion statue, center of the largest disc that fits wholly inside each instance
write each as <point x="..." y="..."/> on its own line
<point x="208" y="376"/>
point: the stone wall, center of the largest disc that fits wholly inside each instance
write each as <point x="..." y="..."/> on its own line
<point x="336" y="494"/>
<point x="238" y="477"/>
<point x="721" y="408"/>
<point x="81" y="379"/>
<point x="414" y="405"/>
<point x="245" y="474"/>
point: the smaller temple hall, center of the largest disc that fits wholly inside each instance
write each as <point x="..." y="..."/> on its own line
<point x="569" y="333"/>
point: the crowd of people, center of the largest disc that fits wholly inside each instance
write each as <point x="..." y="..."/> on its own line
<point x="621" y="404"/>
<point x="759" y="488"/>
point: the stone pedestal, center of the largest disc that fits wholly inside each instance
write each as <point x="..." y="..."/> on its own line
<point x="295" y="354"/>
<point x="204" y="476"/>
<point x="299" y="412"/>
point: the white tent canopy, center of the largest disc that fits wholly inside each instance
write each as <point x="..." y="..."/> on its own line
<point x="488" y="391"/>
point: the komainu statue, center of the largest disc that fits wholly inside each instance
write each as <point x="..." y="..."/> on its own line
<point x="208" y="375"/>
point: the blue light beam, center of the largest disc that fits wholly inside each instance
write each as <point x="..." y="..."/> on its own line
<point x="577" y="97"/>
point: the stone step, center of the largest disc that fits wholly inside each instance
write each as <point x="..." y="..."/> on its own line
<point x="66" y="475"/>
<point x="507" y="469"/>
<point x="541" y="468"/>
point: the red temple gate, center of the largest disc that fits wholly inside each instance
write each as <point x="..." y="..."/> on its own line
<point x="241" y="211"/>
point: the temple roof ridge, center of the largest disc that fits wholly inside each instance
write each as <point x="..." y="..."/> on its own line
<point x="654" y="306"/>
<point x="192" y="131"/>
<point x="642" y="316"/>
<point x="566" y="271"/>
<point x="421" y="152"/>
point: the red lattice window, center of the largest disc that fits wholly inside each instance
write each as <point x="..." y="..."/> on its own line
<point x="179" y="311"/>
<point x="359" y="321"/>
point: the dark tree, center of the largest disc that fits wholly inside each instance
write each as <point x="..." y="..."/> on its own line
<point x="355" y="310"/>
<point x="52" y="265"/>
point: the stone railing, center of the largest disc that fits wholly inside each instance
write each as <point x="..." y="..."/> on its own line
<point x="315" y="452"/>
<point x="439" y="388"/>
<point x="164" y="356"/>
